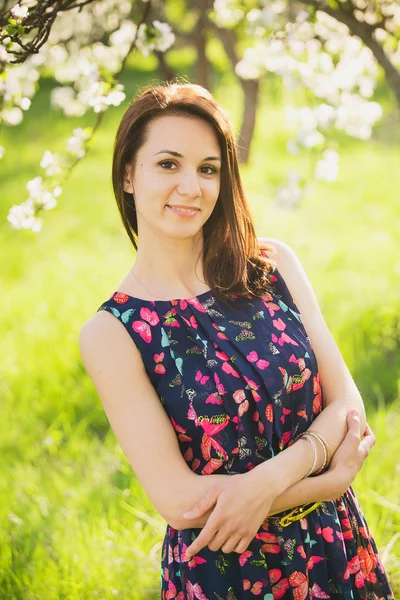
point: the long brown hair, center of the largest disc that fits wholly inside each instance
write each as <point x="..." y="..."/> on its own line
<point x="232" y="259"/>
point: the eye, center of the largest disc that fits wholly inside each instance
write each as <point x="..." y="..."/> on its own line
<point x="170" y="162"/>
<point x="213" y="169"/>
<point x="165" y="162"/>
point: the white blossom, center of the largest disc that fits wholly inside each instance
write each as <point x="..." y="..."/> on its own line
<point x="19" y="12"/>
<point x="12" y="116"/>
<point x="51" y="163"/>
<point x="22" y="216"/>
<point x="76" y="143"/>
<point x="328" y="167"/>
<point x="226" y="13"/>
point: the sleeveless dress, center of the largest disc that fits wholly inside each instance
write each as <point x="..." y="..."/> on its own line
<point x="238" y="385"/>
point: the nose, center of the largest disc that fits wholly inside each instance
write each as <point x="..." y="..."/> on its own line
<point x="189" y="184"/>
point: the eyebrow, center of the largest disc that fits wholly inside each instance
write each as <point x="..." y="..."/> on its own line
<point x="178" y="155"/>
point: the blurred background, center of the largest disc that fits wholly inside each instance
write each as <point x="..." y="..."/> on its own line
<point x="313" y="94"/>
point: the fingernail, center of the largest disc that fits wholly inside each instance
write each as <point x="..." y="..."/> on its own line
<point x="188" y="514"/>
<point x="354" y="413"/>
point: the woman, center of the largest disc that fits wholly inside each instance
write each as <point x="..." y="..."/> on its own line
<point x="226" y="370"/>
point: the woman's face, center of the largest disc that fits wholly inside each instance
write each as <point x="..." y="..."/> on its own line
<point x="177" y="167"/>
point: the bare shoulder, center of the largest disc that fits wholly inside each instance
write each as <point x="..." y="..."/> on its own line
<point x="282" y="250"/>
<point x="103" y="338"/>
<point x="292" y="271"/>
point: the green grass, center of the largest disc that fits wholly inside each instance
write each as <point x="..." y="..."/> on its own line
<point x="75" y="522"/>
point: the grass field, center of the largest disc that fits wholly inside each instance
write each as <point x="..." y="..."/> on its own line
<point x="75" y="523"/>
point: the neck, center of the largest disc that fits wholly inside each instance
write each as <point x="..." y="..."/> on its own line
<point x="171" y="267"/>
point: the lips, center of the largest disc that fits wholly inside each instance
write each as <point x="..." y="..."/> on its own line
<point x="183" y="206"/>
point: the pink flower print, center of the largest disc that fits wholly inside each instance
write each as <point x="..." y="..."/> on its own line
<point x="170" y="320"/>
<point x="202" y="378"/>
<point x="220" y="386"/>
<point x="195" y="464"/>
<point x="269" y="413"/>
<point x="159" y="368"/>
<point x="191" y="322"/>
<point x="282" y="339"/>
<point x="198" y="306"/>
<point x="300" y="550"/>
<point x="214" y="398"/>
<point x="120" y="298"/>
<point x="211" y="429"/>
<point x="253" y="387"/>
<point x="327" y="533"/>
<point x="194" y="591"/>
<point x="180" y="431"/>
<point x="256" y="417"/>
<point x="354" y="568"/>
<point x="222" y="355"/>
<point x="196" y="560"/>
<point x="188" y="455"/>
<point x="317" y="592"/>
<point x="279" y="586"/>
<point x="272" y="308"/>
<point x="255" y="589"/>
<point x="171" y="593"/>
<point x="279" y="324"/>
<point x="150" y="317"/>
<point x="313" y="560"/>
<point x="227" y="367"/>
<point x="240" y="398"/>
<point x="270" y="540"/>
<point x="284" y="440"/>
<point x="220" y="333"/>
<point x="286" y="411"/>
<point x="261" y="363"/>
<point x="244" y="557"/>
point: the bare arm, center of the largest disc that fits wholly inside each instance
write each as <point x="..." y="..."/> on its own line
<point x="139" y="420"/>
<point x="339" y="391"/>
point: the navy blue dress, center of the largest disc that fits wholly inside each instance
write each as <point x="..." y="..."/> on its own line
<point x="239" y="384"/>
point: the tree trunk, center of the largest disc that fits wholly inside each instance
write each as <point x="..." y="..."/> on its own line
<point x="251" y="89"/>
<point x="166" y="72"/>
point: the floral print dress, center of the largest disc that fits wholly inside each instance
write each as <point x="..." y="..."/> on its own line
<point x="239" y="384"/>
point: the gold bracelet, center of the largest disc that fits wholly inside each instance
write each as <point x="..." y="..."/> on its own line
<point x="314" y="449"/>
<point x="297" y="513"/>
<point x="324" y="449"/>
<point x="328" y="450"/>
<point x="325" y="445"/>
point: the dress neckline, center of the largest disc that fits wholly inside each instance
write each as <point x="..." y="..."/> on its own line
<point x="199" y="297"/>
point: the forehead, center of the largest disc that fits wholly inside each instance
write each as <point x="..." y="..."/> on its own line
<point x="184" y="133"/>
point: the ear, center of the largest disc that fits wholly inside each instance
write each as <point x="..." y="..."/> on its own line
<point x="128" y="187"/>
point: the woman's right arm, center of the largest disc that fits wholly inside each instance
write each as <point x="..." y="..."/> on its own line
<point x="139" y="420"/>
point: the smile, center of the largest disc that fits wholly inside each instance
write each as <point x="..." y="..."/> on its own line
<point x="183" y="212"/>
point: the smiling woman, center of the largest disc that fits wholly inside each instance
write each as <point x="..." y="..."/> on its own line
<point x="226" y="390"/>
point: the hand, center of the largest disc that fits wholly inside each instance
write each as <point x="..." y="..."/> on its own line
<point x="238" y="514"/>
<point x="350" y="455"/>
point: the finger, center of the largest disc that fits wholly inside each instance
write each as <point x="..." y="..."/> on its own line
<point x="242" y="546"/>
<point x="231" y="544"/>
<point x="203" y="539"/>
<point x="368" y="430"/>
<point x="368" y="441"/>
<point x="221" y="538"/>
<point x="353" y="423"/>
<point x="207" y="502"/>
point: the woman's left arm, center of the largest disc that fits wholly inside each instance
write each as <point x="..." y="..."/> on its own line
<point x="339" y="391"/>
